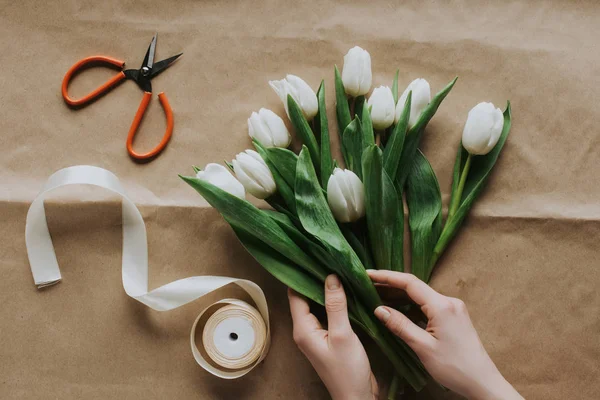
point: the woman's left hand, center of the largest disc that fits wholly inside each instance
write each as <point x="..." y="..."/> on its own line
<point x="336" y="354"/>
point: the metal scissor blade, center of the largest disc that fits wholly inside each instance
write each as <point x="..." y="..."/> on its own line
<point x="160" y="66"/>
<point x="149" y="57"/>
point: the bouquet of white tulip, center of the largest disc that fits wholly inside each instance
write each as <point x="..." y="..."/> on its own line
<point x="331" y="220"/>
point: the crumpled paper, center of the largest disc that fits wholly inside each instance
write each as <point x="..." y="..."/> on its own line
<point x="525" y="262"/>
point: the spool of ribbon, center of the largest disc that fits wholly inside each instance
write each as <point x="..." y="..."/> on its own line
<point x="235" y="335"/>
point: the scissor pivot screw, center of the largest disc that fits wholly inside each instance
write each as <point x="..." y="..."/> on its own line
<point x="145" y="71"/>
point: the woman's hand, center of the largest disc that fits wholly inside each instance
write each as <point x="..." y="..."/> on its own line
<point x="336" y="353"/>
<point x="449" y="348"/>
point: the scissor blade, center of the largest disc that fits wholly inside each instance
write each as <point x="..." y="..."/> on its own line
<point x="149" y="57"/>
<point x="160" y="66"/>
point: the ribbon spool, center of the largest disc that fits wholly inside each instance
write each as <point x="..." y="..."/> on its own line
<point x="235" y="335"/>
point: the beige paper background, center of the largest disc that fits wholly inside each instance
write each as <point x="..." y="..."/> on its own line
<point x="526" y="262"/>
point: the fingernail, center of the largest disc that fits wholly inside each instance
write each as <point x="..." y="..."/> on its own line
<point x="382" y="313"/>
<point x="370" y="271"/>
<point x="333" y="282"/>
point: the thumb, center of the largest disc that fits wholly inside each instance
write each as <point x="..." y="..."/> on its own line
<point x="400" y="325"/>
<point x="337" y="308"/>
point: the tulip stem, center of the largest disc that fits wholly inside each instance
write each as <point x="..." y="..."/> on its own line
<point x="378" y="139"/>
<point x="445" y="236"/>
<point x="455" y="203"/>
<point x="438" y="250"/>
<point x="393" y="390"/>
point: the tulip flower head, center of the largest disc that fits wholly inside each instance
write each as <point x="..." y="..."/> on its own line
<point x="421" y="96"/>
<point x="356" y="74"/>
<point x="382" y="107"/>
<point x="482" y="129"/>
<point x="346" y="195"/>
<point x="300" y="92"/>
<point x="268" y="129"/>
<point x="253" y="173"/>
<point x="220" y="176"/>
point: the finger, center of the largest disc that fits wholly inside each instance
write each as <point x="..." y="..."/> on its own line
<point x="400" y="325"/>
<point x="336" y="307"/>
<point x="302" y="318"/>
<point x="420" y="292"/>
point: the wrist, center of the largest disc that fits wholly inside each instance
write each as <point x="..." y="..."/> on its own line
<point x="494" y="388"/>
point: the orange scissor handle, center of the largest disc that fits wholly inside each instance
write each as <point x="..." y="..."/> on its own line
<point x="100" y="90"/>
<point x="136" y="123"/>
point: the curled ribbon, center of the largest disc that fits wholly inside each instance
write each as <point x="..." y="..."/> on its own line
<point x="235" y="337"/>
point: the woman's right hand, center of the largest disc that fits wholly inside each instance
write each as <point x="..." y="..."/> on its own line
<point x="449" y="347"/>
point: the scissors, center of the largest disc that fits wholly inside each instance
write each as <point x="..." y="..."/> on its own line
<point x="142" y="77"/>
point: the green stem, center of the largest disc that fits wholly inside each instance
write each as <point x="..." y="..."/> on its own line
<point x="392" y="392"/>
<point x="378" y="139"/>
<point x="459" y="190"/>
<point x="439" y="248"/>
<point x="446" y="234"/>
<point x="445" y="238"/>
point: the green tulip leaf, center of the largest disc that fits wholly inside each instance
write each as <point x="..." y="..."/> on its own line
<point x="281" y="268"/>
<point x="304" y="131"/>
<point x="284" y="161"/>
<point x="352" y="142"/>
<point x="424" y="201"/>
<point x="302" y="239"/>
<point x="341" y="103"/>
<point x="314" y="212"/>
<point x="367" y="125"/>
<point x="385" y="216"/>
<point x="395" y="144"/>
<point x="243" y="215"/>
<point x="323" y="128"/>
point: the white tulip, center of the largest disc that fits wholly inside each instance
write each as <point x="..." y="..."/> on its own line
<point x="345" y="195"/>
<point x="300" y="92"/>
<point x="220" y="176"/>
<point x="421" y="96"/>
<point x="253" y="173"/>
<point x="482" y="129"/>
<point x="269" y="129"/>
<point x="382" y="107"/>
<point x="356" y="73"/>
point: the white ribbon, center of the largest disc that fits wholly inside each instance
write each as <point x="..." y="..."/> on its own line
<point x="46" y="272"/>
